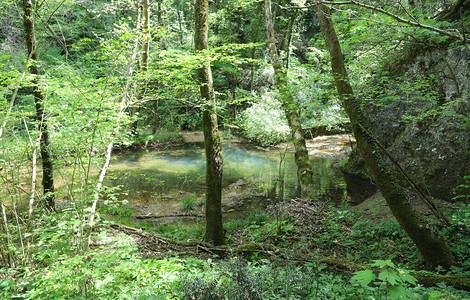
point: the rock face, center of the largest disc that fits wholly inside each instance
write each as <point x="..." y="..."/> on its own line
<point x="422" y="116"/>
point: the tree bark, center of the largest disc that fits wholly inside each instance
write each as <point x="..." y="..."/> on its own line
<point x="144" y="62"/>
<point x="214" y="161"/>
<point x="287" y="38"/>
<point x="430" y="244"/>
<point x="31" y="46"/>
<point x="457" y="9"/>
<point x="304" y="167"/>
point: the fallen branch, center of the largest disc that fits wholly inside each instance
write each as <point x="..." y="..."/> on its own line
<point x="425" y="278"/>
<point x="168" y="216"/>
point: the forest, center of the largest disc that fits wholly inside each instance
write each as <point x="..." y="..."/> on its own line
<point x="244" y="149"/>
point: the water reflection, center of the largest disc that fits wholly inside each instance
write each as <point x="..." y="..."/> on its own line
<point x="162" y="177"/>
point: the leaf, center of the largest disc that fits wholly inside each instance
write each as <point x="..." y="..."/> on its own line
<point x="383" y="263"/>
<point x="407" y="277"/>
<point x="364" y="277"/>
<point x="101" y="282"/>
<point x="389" y="276"/>
<point x="400" y="292"/>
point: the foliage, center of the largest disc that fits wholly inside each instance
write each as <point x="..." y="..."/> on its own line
<point x="239" y="279"/>
<point x="264" y="122"/>
<point x="84" y="50"/>
<point x="462" y="191"/>
<point x="384" y="240"/>
<point x="148" y="139"/>
<point x="390" y="280"/>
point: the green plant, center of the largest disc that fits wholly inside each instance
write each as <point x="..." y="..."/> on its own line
<point x="462" y="192"/>
<point x="390" y="281"/>
<point x="264" y="122"/>
<point x="188" y="202"/>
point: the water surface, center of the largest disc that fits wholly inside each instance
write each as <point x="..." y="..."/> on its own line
<point x="157" y="181"/>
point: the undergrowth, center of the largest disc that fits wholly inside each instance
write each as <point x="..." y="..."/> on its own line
<point x="301" y="232"/>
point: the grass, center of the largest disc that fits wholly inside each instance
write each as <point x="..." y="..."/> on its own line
<point x="188" y="202"/>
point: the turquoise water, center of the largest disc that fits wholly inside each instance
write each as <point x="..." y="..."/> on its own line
<point x="163" y="177"/>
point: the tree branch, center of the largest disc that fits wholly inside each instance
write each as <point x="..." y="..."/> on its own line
<point x="458" y="36"/>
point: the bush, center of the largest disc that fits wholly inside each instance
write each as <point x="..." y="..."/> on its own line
<point x="265" y="122"/>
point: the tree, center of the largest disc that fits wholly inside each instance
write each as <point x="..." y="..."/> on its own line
<point x="46" y="157"/>
<point x="304" y="168"/>
<point x="429" y="243"/>
<point x="214" y="161"/>
<point x="123" y="105"/>
<point x="144" y="63"/>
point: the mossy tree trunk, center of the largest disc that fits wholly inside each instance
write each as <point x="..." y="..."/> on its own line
<point x="430" y="244"/>
<point x="144" y="62"/>
<point x="214" y="161"/>
<point x="46" y="158"/>
<point x="304" y="167"/>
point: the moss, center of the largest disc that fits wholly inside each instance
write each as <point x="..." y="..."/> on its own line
<point x="354" y="164"/>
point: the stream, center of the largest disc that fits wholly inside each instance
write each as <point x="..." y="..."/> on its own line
<point x="170" y="182"/>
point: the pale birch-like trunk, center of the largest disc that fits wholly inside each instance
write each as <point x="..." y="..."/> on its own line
<point x="123" y="105"/>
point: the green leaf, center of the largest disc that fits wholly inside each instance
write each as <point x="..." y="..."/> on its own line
<point x="407" y="277"/>
<point x="389" y="276"/>
<point x="364" y="277"/>
<point x="101" y="282"/>
<point x="383" y="263"/>
<point x="400" y="292"/>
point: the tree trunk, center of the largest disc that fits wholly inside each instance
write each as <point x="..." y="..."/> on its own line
<point x="457" y="10"/>
<point x="287" y="38"/>
<point x="216" y="25"/>
<point x="214" y="160"/>
<point x="304" y="167"/>
<point x="159" y="22"/>
<point x="253" y="70"/>
<point x="31" y="46"/>
<point x="429" y="243"/>
<point x="144" y="63"/>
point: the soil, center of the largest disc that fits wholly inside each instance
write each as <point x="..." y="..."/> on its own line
<point x="376" y="209"/>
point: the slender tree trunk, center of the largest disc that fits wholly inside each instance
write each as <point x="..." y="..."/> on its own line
<point x="429" y="243"/>
<point x="5" y="238"/>
<point x="253" y="70"/>
<point x="159" y="22"/>
<point x="214" y="160"/>
<point x="287" y="38"/>
<point x="31" y="46"/>
<point x="180" y="24"/>
<point x="144" y="62"/>
<point x="216" y="25"/>
<point x="304" y="167"/>
<point x="160" y="46"/>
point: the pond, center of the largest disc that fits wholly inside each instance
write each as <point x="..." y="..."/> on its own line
<point x="171" y="181"/>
